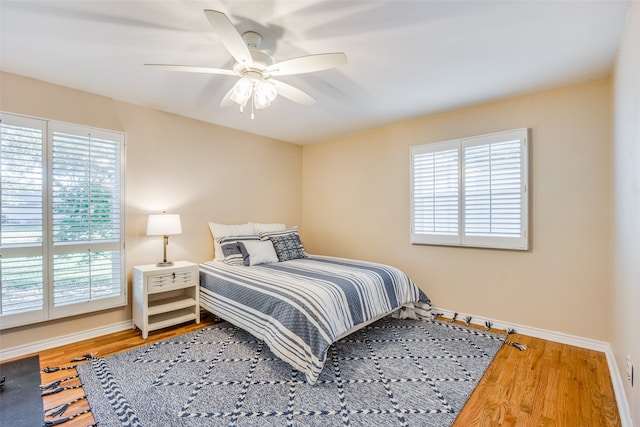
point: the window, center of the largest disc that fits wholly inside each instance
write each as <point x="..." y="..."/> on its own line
<point x="471" y="191"/>
<point x="62" y="228"/>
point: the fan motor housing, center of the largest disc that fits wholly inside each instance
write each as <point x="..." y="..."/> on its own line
<point x="260" y="62"/>
<point x="252" y="39"/>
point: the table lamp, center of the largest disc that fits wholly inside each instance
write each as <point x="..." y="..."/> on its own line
<point x="164" y="225"/>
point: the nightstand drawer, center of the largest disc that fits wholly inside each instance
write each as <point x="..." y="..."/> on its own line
<point x="170" y="280"/>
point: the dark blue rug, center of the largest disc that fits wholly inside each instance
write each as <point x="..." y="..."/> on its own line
<point x="20" y="400"/>
<point x="391" y="373"/>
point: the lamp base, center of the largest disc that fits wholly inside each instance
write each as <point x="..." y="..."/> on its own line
<point x="164" y="264"/>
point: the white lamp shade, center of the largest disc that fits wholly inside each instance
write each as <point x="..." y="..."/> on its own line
<point x="163" y="225"/>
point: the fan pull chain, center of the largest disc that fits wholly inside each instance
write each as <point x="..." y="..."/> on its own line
<point x="252" y="105"/>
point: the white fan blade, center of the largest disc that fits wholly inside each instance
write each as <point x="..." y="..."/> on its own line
<point x="307" y="64"/>
<point x="230" y="38"/>
<point x="226" y="101"/>
<point x="193" y="69"/>
<point x="292" y="93"/>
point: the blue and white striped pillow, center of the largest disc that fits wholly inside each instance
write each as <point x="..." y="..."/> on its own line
<point x="231" y="250"/>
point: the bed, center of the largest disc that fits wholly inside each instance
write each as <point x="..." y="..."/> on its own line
<point x="300" y="306"/>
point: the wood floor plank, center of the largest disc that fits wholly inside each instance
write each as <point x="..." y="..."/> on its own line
<point x="550" y="384"/>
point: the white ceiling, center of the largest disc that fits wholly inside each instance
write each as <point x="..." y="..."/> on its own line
<point x="406" y="58"/>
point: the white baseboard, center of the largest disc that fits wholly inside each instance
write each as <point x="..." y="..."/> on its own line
<point x="602" y="346"/>
<point x="38" y="346"/>
<point x="534" y="332"/>
<point x="618" y="388"/>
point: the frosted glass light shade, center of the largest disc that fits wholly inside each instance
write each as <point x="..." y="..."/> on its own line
<point x="242" y="91"/>
<point x="264" y="93"/>
<point x="163" y="225"/>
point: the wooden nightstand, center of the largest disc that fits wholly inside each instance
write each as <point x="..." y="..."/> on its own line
<point x="165" y="296"/>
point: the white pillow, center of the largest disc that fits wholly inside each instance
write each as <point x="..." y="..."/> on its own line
<point x="263" y="228"/>
<point x="258" y="252"/>
<point x="225" y="230"/>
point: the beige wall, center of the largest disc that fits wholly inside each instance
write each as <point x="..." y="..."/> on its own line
<point x="356" y="204"/>
<point x="356" y="199"/>
<point x="201" y="171"/>
<point x="626" y="289"/>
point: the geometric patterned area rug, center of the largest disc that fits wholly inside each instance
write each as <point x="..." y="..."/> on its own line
<point x="392" y="373"/>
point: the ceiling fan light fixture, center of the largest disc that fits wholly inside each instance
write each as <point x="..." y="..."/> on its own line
<point x="264" y="92"/>
<point x="256" y="69"/>
<point x="242" y="91"/>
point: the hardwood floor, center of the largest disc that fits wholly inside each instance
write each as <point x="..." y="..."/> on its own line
<point x="550" y="384"/>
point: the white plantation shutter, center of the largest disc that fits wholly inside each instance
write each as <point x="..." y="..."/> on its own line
<point x="80" y="222"/>
<point x="22" y="227"/>
<point x="435" y="183"/>
<point x="86" y="218"/>
<point x="495" y="190"/>
<point x="484" y="205"/>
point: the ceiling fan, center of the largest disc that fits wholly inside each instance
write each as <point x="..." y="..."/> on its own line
<point x="256" y="69"/>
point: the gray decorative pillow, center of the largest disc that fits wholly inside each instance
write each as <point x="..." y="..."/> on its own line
<point x="287" y="243"/>
<point x="257" y="252"/>
<point x="231" y="250"/>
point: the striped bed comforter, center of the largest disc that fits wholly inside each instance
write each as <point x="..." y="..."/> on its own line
<point x="300" y="307"/>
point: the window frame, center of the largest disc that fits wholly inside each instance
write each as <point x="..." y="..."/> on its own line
<point x="49" y="249"/>
<point x="461" y="237"/>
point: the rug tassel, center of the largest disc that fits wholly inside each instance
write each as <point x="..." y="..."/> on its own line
<point x="50" y="385"/>
<point x="511" y="331"/>
<point x="488" y="325"/>
<point x="519" y="346"/>
<point x="87" y="356"/>
<point x="455" y="316"/>
<point x="59" y="389"/>
<point x="65" y="419"/>
<point x="58" y="410"/>
<point x="61" y="409"/>
<point x="467" y="320"/>
<point x="49" y="369"/>
<point x="56" y="383"/>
